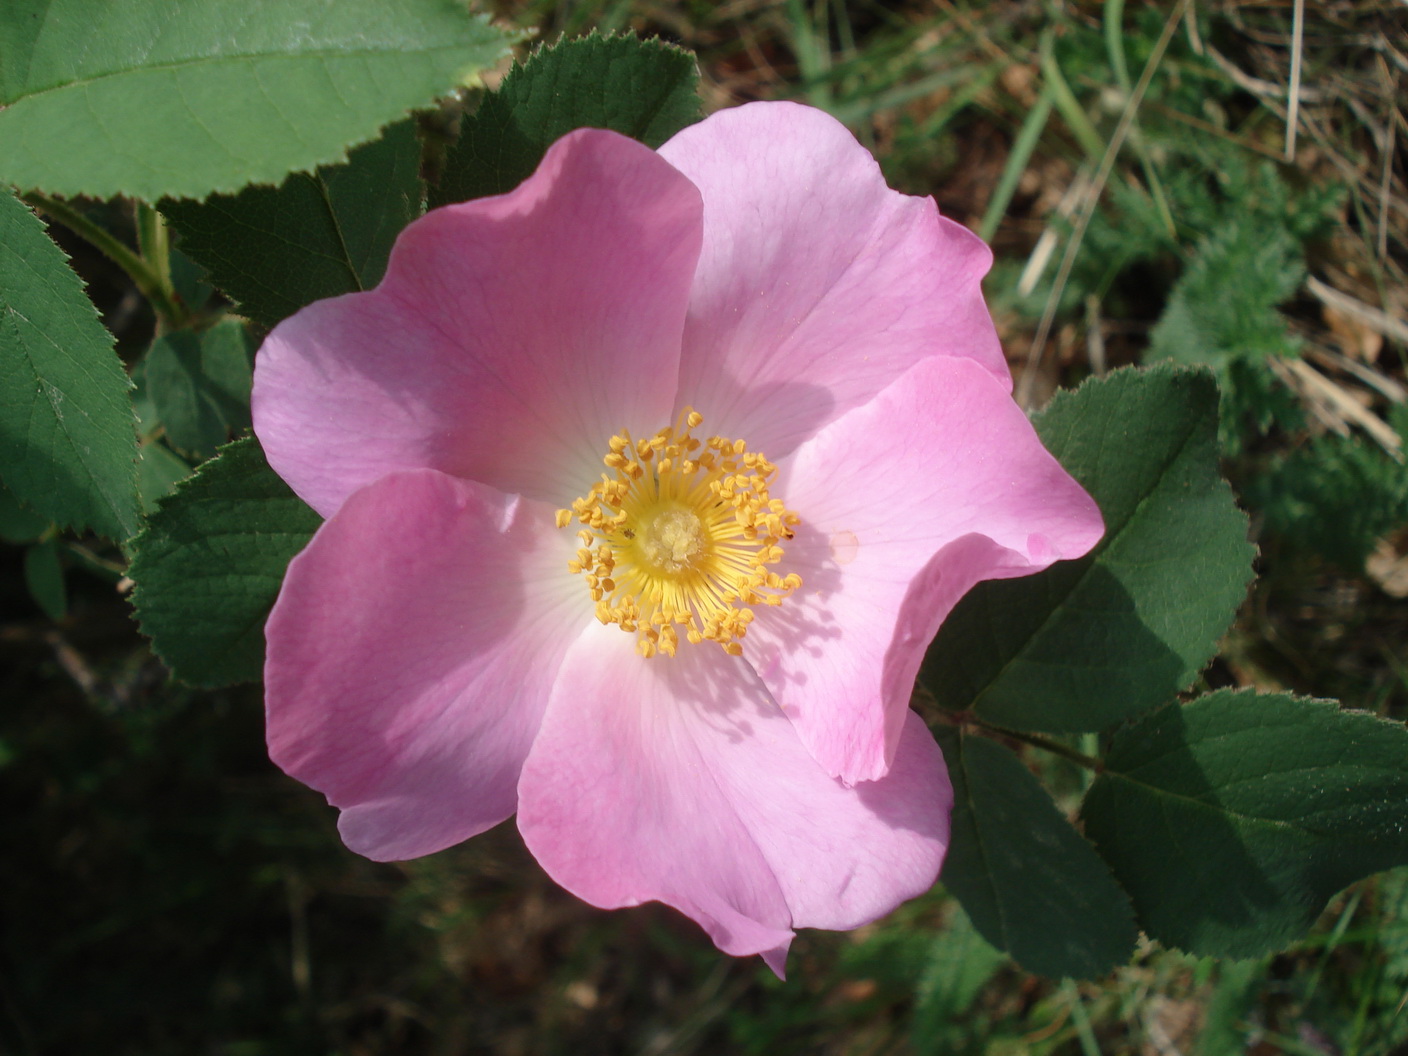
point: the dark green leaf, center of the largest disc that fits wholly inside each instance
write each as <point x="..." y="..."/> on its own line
<point x="44" y="576"/>
<point x="180" y="396"/>
<point x="159" y="470"/>
<point x="1030" y="883"/>
<point x="644" y="89"/>
<point x="273" y="250"/>
<point x="68" y="438"/>
<point x="1087" y="643"/>
<point x="199" y="386"/>
<point x="209" y="565"/>
<point x="154" y="98"/>
<point x="1231" y="820"/>
<point x="188" y="280"/>
<point x="18" y="523"/>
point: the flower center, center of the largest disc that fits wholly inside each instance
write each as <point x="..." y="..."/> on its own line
<point x="679" y="536"/>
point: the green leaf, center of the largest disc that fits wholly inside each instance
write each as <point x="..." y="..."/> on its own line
<point x="188" y="280"/>
<point x="1031" y="884"/>
<point x="1233" y="819"/>
<point x="178" y="98"/>
<point x="644" y="89"/>
<point x="273" y="250"/>
<point x="209" y="565"/>
<point x="199" y="386"/>
<point x="18" y="523"/>
<point x="1088" y="643"/>
<point x="68" y="438"/>
<point x="227" y="361"/>
<point x="158" y="472"/>
<point x="44" y="576"/>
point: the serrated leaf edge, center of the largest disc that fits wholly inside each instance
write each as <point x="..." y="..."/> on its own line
<point x="132" y="525"/>
<point x="1221" y="485"/>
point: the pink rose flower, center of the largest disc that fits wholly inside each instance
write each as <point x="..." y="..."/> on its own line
<point x="646" y="487"/>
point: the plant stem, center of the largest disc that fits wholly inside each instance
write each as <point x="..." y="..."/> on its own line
<point x="147" y="280"/>
<point x="154" y="243"/>
<point x="1036" y="740"/>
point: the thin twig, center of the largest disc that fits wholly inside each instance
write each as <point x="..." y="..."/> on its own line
<point x="1268" y="92"/>
<point x="1380" y="383"/>
<point x="1293" y="92"/>
<point x="1375" y="319"/>
<point x="1040" y="255"/>
<point x="1338" y="408"/>
<point x="1386" y="179"/>
<point x="1046" y="744"/>
<point x="1195" y="38"/>
<point x="1094" y="336"/>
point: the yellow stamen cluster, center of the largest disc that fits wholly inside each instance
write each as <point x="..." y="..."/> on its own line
<point x="678" y="537"/>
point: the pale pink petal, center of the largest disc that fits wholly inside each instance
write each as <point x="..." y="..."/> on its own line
<point x="678" y="779"/>
<point x="906" y="503"/>
<point x="511" y="337"/>
<point x="818" y="285"/>
<point x="411" y="653"/>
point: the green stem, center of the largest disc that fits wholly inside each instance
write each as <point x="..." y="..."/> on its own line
<point x="147" y="280"/>
<point x="1021" y="153"/>
<point x="154" y="242"/>
<point x="1036" y="740"/>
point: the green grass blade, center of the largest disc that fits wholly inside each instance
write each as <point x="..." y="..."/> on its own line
<point x="1027" y="138"/>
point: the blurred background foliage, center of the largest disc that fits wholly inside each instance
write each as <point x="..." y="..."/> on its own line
<point x="1220" y="182"/>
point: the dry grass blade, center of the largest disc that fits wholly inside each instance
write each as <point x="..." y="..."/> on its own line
<point x="1334" y="406"/>
<point x="1026" y="384"/>
<point x="1374" y="318"/>
<point x="1293" y="92"/>
<point x="1381" y="383"/>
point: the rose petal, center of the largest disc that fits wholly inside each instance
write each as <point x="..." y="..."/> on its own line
<point x="411" y="653"/>
<point x="936" y="484"/>
<point x="817" y="284"/>
<point x="677" y="779"/>
<point x="556" y="309"/>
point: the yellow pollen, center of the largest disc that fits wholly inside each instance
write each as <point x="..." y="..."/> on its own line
<point x="677" y="537"/>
